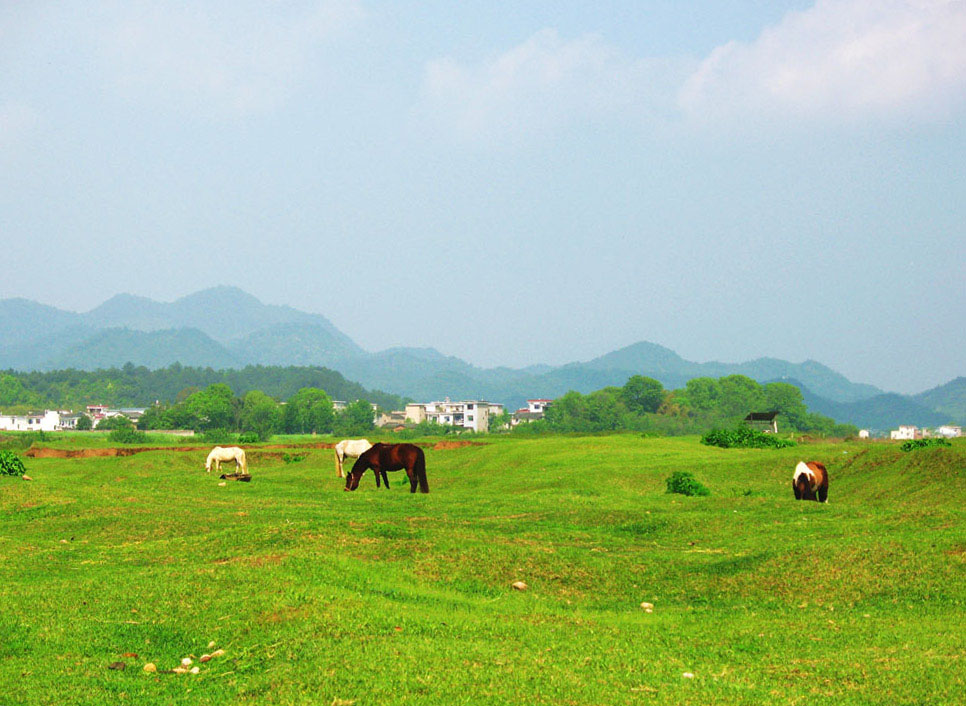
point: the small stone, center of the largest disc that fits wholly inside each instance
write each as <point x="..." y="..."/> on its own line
<point x="688" y="675"/>
<point x="211" y="644"/>
<point x="205" y="658"/>
<point x="26" y="477"/>
<point x="150" y="668"/>
<point x="133" y="655"/>
<point x="218" y="653"/>
<point x="647" y="606"/>
<point x="180" y="670"/>
<point x="186" y="662"/>
<point x="63" y="541"/>
<point x="195" y="670"/>
<point x="222" y="484"/>
<point x="519" y="585"/>
<point x="116" y="665"/>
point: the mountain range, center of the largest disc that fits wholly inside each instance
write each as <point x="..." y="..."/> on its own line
<point x="225" y="327"/>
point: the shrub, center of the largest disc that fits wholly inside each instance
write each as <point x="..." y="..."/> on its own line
<point x="684" y="483"/>
<point x="218" y="436"/>
<point x="914" y="444"/>
<point x="293" y="458"/>
<point x="127" y="435"/>
<point x="248" y="437"/>
<point x="745" y="438"/>
<point x="10" y="464"/>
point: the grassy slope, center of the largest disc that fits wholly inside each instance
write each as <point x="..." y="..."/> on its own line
<point x="390" y="598"/>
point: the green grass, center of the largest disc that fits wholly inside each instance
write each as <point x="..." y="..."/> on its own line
<point x="389" y="598"/>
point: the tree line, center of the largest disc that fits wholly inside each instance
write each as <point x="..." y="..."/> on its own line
<point x="642" y="404"/>
<point x="216" y="408"/>
<point x="138" y="386"/>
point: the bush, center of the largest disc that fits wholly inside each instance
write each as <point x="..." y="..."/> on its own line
<point x="248" y="437"/>
<point x="744" y="438"/>
<point x="914" y="444"/>
<point x="684" y="483"/>
<point x="127" y="435"/>
<point x="218" y="436"/>
<point x="10" y="464"/>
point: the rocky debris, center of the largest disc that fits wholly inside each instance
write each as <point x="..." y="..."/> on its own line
<point x="117" y="665"/>
<point x="519" y="585"/>
<point x="648" y="607"/>
<point x="150" y="668"/>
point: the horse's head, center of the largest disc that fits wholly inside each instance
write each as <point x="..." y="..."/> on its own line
<point x="355" y="475"/>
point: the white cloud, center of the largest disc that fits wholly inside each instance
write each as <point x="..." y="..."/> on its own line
<point x="234" y="58"/>
<point x="538" y="85"/>
<point x="841" y="60"/>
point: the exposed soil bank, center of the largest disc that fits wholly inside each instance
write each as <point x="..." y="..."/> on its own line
<point x="47" y="452"/>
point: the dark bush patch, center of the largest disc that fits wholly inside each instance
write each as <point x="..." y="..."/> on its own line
<point x="745" y="438"/>
<point x="127" y="435"/>
<point x="914" y="444"/>
<point x="10" y="464"/>
<point x="684" y="483"/>
<point x="248" y="437"/>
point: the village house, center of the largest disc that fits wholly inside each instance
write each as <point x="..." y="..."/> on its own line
<point x="48" y="420"/>
<point x="534" y="410"/>
<point x="766" y="422"/>
<point x="100" y="412"/>
<point x="905" y="432"/>
<point x="469" y="414"/>
<point x="949" y="432"/>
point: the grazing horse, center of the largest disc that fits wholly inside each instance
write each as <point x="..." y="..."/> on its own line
<point x="810" y="481"/>
<point x="391" y="457"/>
<point x="349" y="447"/>
<point x="220" y="454"/>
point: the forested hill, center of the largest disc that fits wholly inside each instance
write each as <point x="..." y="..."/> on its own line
<point x="138" y="386"/>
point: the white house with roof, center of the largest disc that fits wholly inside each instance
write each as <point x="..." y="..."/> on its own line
<point x="904" y="432"/>
<point x="468" y="414"/>
<point x="48" y="420"/>
<point x="949" y="431"/>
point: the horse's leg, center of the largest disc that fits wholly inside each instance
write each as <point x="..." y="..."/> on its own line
<point x="413" y="480"/>
<point x="823" y="494"/>
<point x="385" y="480"/>
<point x="375" y="472"/>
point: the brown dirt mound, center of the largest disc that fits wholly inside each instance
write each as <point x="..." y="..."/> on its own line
<point x="443" y="445"/>
<point x="47" y="452"/>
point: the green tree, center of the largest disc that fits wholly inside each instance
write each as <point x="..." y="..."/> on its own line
<point x="702" y="394"/>
<point x="309" y="411"/>
<point x="260" y="414"/>
<point x="213" y="407"/>
<point x="116" y="422"/>
<point x="739" y="396"/>
<point x="355" y="419"/>
<point x="788" y="402"/>
<point x="642" y="394"/>
<point x="84" y="423"/>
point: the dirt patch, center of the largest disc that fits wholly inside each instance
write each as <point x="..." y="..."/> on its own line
<point x="47" y="452"/>
<point x="444" y="445"/>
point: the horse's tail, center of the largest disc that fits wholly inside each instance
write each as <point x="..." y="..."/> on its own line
<point x="419" y="468"/>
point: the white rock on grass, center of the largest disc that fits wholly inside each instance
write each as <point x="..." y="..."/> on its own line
<point x="688" y="675"/>
<point x="648" y="607"/>
<point x="519" y="585"/>
<point x="186" y="662"/>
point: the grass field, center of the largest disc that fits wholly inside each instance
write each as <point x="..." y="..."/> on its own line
<point x="323" y="597"/>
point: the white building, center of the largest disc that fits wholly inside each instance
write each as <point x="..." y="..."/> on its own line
<point x="905" y="432"/>
<point x="468" y="414"/>
<point x="949" y="431"/>
<point x="48" y="420"/>
<point x="538" y="406"/>
<point x="863" y="433"/>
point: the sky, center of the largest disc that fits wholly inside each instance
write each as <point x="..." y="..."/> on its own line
<point x="512" y="183"/>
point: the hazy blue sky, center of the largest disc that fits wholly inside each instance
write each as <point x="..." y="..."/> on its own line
<point x="508" y="182"/>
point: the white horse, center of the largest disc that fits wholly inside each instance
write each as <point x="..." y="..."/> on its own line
<point x="349" y="447"/>
<point x="230" y="453"/>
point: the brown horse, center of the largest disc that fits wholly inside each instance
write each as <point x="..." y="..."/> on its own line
<point x="391" y="457"/>
<point x="810" y="481"/>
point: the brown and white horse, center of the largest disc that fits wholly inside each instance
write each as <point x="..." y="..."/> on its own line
<point x="810" y="481"/>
